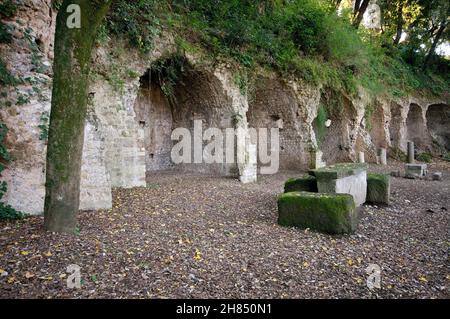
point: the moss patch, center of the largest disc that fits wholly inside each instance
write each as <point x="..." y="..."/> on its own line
<point x="338" y="170"/>
<point x="378" y="189"/>
<point x="306" y="183"/>
<point x="323" y="212"/>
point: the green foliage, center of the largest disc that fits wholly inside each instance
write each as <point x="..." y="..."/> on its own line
<point x="4" y="155"/>
<point x="167" y="73"/>
<point x="7" y="9"/>
<point x="43" y="126"/>
<point x="56" y="4"/>
<point x="36" y="55"/>
<point x="368" y="113"/>
<point x="242" y="81"/>
<point x="302" y="39"/>
<point x="138" y="21"/>
<point x="447" y="157"/>
<point x="5" y="33"/>
<point x="424" y="157"/>
<point x="236" y="119"/>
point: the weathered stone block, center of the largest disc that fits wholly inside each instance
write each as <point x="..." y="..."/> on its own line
<point x="396" y="174"/>
<point x="437" y="176"/>
<point x="378" y="189"/>
<point x="316" y="160"/>
<point x="415" y="170"/>
<point x="344" y="178"/>
<point x="306" y="183"/>
<point x="328" y="213"/>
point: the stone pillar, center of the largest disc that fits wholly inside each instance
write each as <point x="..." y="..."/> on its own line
<point x="361" y="157"/>
<point x="249" y="169"/>
<point x="316" y="160"/>
<point x="411" y="152"/>
<point x="383" y="156"/>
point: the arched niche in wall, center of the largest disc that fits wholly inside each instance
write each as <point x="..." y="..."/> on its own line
<point x="438" y="124"/>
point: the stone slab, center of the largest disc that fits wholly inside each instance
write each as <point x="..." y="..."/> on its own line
<point x="343" y="178"/>
<point x="415" y="170"/>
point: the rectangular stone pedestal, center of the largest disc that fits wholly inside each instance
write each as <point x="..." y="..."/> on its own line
<point x="415" y="170"/>
<point x="316" y="160"/>
<point x="328" y="213"/>
<point x="345" y="178"/>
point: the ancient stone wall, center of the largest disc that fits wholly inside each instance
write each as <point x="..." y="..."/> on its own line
<point x="438" y="125"/>
<point x="26" y="106"/>
<point x="127" y="133"/>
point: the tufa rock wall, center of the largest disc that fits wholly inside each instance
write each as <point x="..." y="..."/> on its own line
<point x="130" y="119"/>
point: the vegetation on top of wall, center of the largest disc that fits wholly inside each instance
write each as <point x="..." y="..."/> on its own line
<point x="302" y="39"/>
<point x="167" y="73"/>
<point x="424" y="157"/>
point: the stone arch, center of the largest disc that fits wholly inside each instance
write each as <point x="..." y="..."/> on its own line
<point x="378" y="127"/>
<point x="275" y="105"/>
<point x="166" y="103"/>
<point x="395" y="126"/>
<point x="339" y="139"/>
<point x="438" y="124"/>
<point x="415" y="125"/>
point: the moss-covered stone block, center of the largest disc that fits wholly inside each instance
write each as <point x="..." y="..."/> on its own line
<point x="339" y="170"/>
<point x="378" y="189"/>
<point x="343" y="178"/>
<point x="304" y="183"/>
<point x="323" y="212"/>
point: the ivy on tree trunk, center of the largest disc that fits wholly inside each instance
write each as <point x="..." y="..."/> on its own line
<point x="73" y="50"/>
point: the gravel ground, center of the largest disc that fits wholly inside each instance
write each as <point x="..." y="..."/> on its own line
<point x="206" y="237"/>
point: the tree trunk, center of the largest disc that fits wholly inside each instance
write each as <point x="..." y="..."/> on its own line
<point x="399" y="32"/>
<point x="73" y="49"/>
<point x="435" y="43"/>
<point x="359" y="12"/>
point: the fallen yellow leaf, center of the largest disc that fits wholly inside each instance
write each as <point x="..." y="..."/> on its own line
<point x="46" y="278"/>
<point x="197" y="255"/>
<point x="350" y="262"/>
<point x="11" y="279"/>
<point x="48" y="254"/>
<point x="306" y="264"/>
<point x="423" y="279"/>
<point x="24" y="253"/>
<point x="168" y="260"/>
